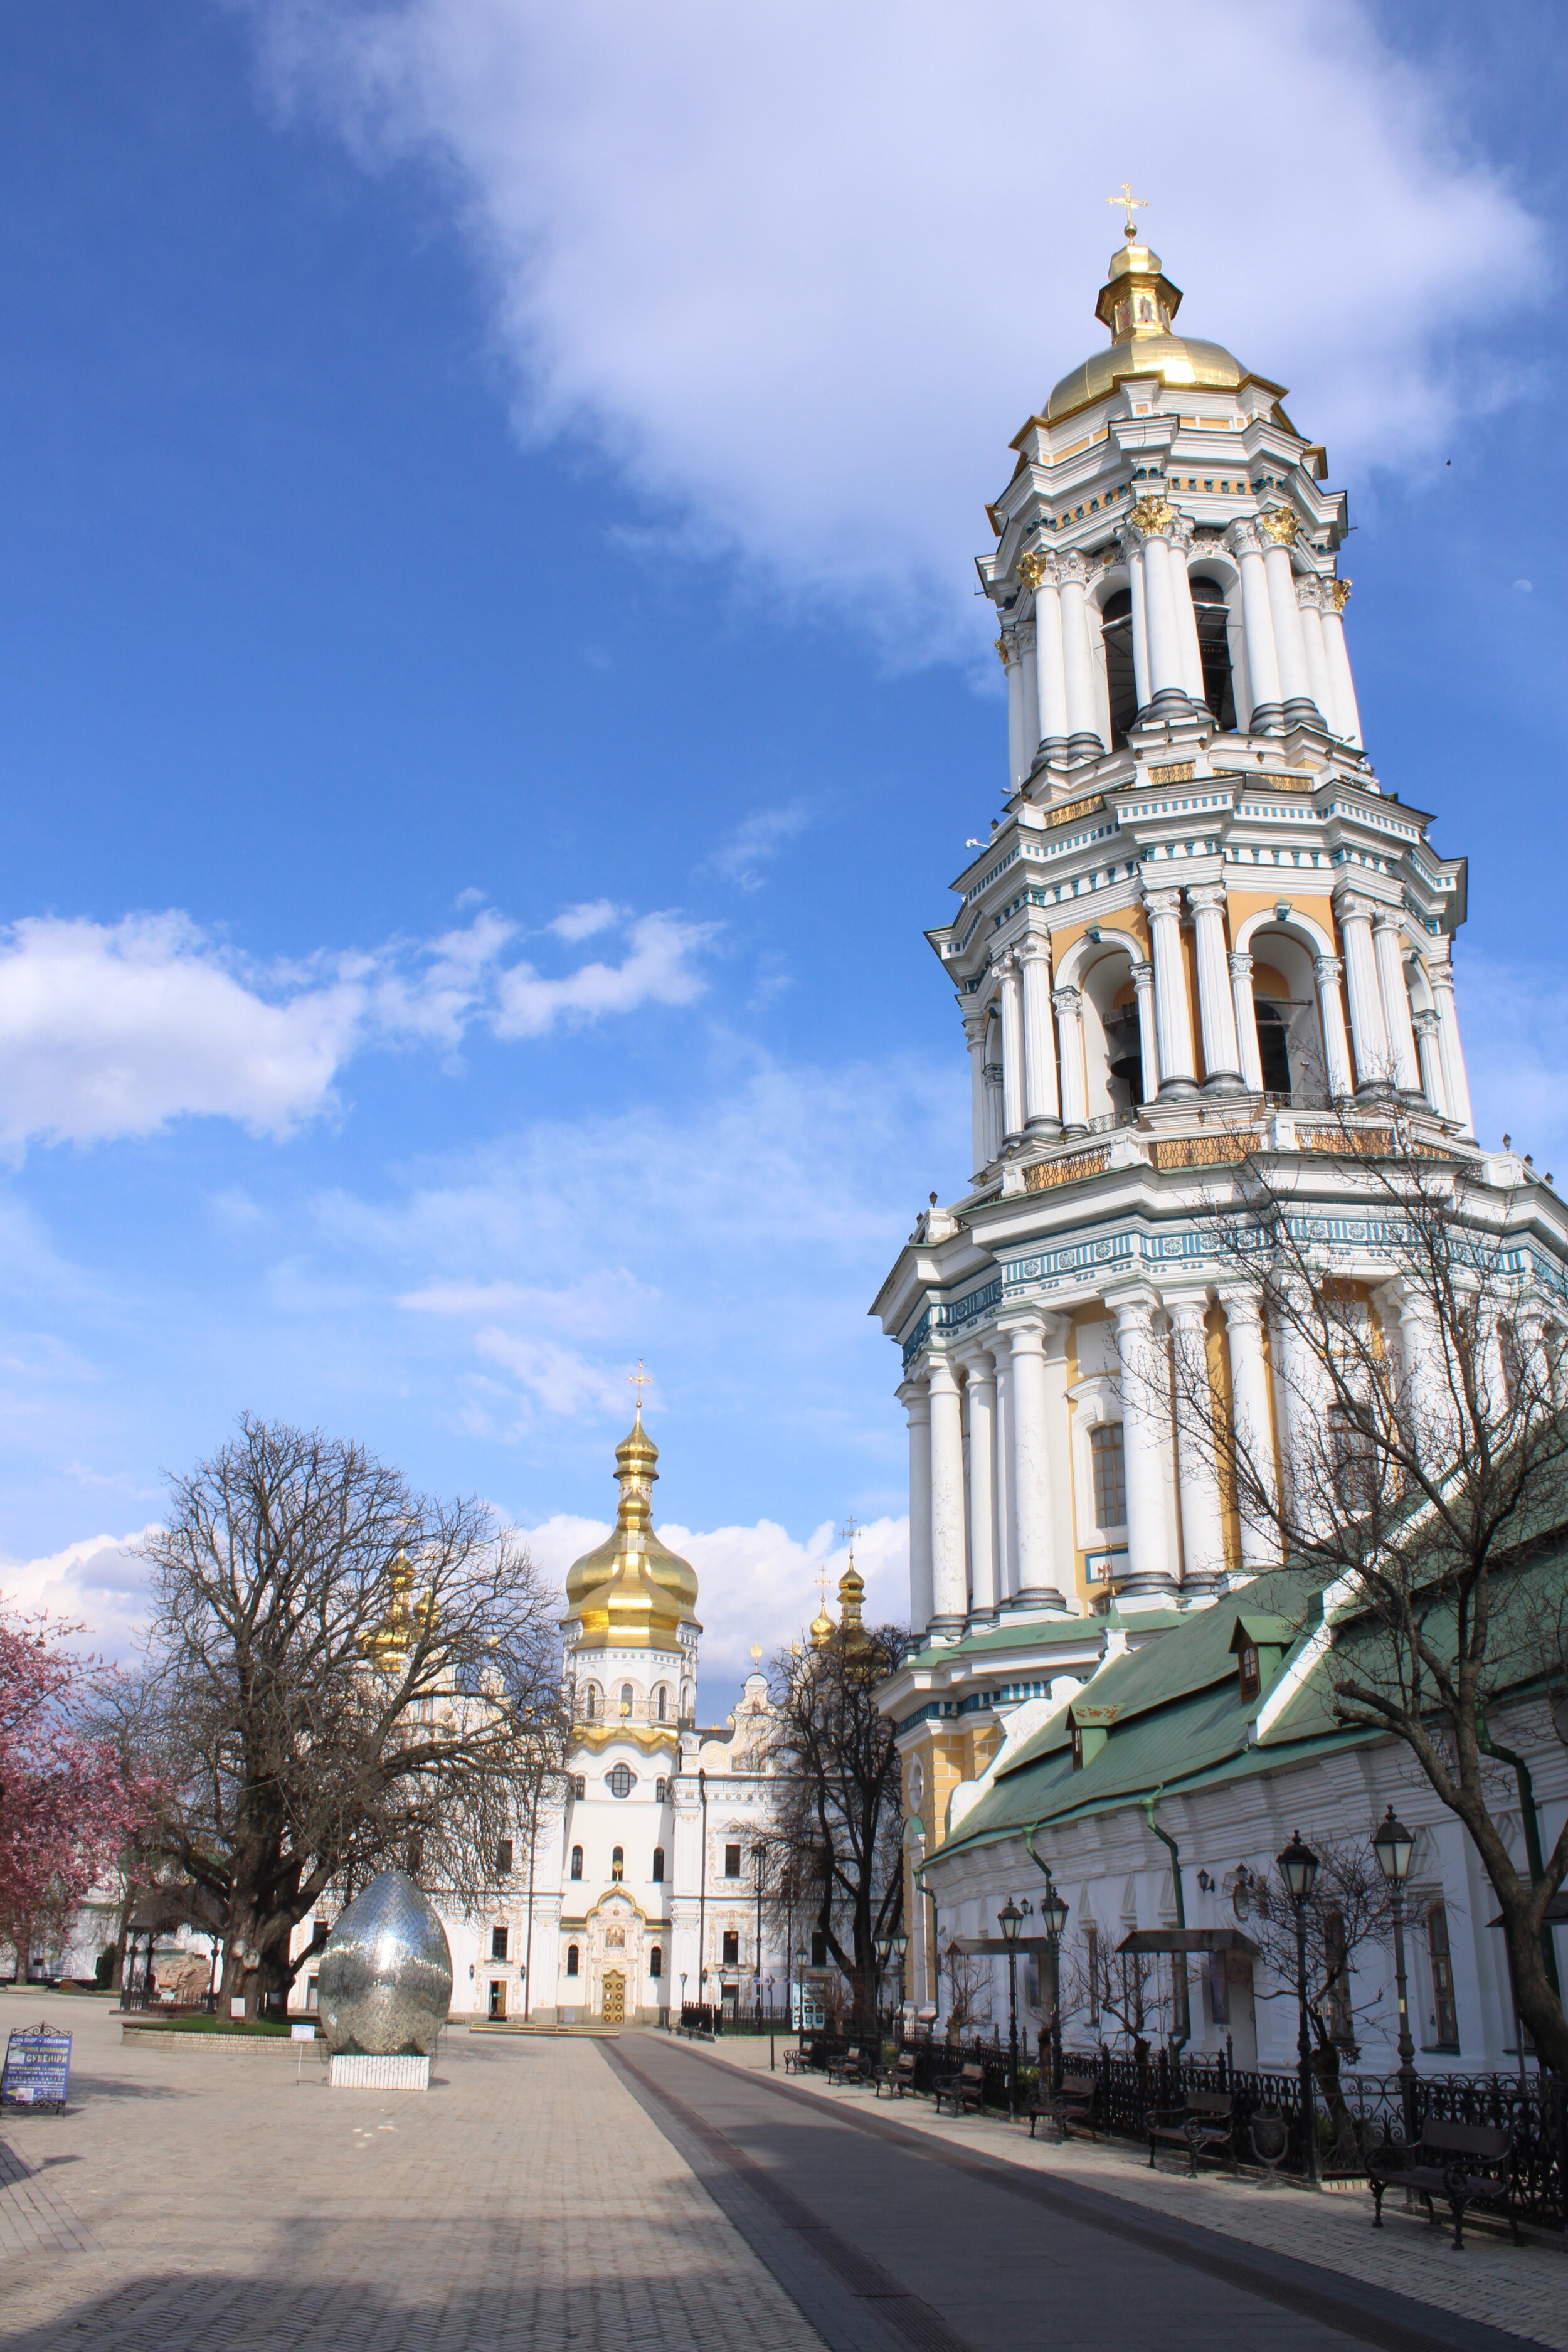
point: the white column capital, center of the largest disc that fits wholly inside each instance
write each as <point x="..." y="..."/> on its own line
<point x="1352" y="907"/>
<point x="1031" y="948"/>
<point x="1311" y="591"/>
<point x="1205" y="897"/>
<point x="942" y="1373"/>
<point x="1240" y="964"/>
<point x="1143" y="974"/>
<point x="1066" y="1000"/>
<point x="1327" y="971"/>
<point x="1163" y="902"/>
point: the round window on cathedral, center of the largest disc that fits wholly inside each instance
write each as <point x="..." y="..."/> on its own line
<point x="622" y="1780"/>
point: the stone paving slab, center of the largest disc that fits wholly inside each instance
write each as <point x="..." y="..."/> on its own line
<point x="527" y="2200"/>
<point x="1522" y="2289"/>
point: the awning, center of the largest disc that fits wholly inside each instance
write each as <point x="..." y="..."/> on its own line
<point x="1038" y="1945"/>
<point x="1188" y="1939"/>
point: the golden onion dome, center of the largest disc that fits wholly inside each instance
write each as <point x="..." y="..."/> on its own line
<point x="632" y="1542"/>
<point x="1138" y="303"/>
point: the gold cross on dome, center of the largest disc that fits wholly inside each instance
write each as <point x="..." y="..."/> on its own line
<point x="1130" y="204"/>
<point x="851" y="1528"/>
<point x="640" y="1380"/>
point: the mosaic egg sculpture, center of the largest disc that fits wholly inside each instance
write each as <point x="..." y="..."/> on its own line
<point x="385" y="1976"/>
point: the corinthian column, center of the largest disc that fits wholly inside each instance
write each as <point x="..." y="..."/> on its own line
<point x="1217" y="1008"/>
<point x="1387" y="948"/>
<point x="1042" y="1107"/>
<point x="1279" y="527"/>
<point x="1246" y="1008"/>
<point x="1012" y="668"/>
<point x="1026" y="669"/>
<point x="1148" y="1029"/>
<point x="950" y="1581"/>
<point x="1254" y="1420"/>
<point x="1031" y="1465"/>
<point x="1147" y="534"/>
<point x="980" y="1390"/>
<point x="1309" y="607"/>
<point x="1456" y="1082"/>
<point x="1145" y="1436"/>
<point x="916" y="1405"/>
<point x="1369" y="1032"/>
<point x="1012" y="1053"/>
<point x="1327" y="970"/>
<point x="1203" y="1528"/>
<point x="1347" y="718"/>
<point x="1177" y="1073"/>
<point x="974" y="1028"/>
<point x="1245" y="543"/>
<point x="1068" y="1007"/>
<point x="1429" y="1045"/>
<point x="1050" y="668"/>
<point x="1083" y="707"/>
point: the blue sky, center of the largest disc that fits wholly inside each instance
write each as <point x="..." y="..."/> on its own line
<point x="491" y="690"/>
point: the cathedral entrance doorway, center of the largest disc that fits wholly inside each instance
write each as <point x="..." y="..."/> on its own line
<point x="615" y="2008"/>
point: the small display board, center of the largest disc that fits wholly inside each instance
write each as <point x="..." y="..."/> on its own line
<point x="806" y="2004"/>
<point x="38" y="2067"/>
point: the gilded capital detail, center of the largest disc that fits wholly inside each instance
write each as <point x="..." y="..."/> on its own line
<point x="1339" y="590"/>
<point x="1151" y="515"/>
<point x="1032" y="567"/>
<point x="1282" y="525"/>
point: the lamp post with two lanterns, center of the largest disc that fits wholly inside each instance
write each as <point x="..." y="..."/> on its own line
<point x="1298" y="1869"/>
<point x="1393" y="1844"/>
<point x="1010" y="1919"/>
<point x="1053" y="1919"/>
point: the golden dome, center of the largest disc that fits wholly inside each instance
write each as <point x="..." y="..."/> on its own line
<point x="1138" y="302"/>
<point x="820" y="1629"/>
<point x="632" y="1587"/>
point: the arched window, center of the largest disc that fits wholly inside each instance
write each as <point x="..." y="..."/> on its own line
<point x="663" y="1702"/>
<point x="576" y="1862"/>
<point x="657" y="1866"/>
<point x="622" y="1780"/>
<point x="1121" y="678"/>
<point x="1352" y="1456"/>
<point x="1212" y="618"/>
<point x="626" y="1701"/>
<point x="661" y="1792"/>
<point x="618" y="1862"/>
<point x="656" y="1962"/>
<point x="571" y="1959"/>
<point x="591" y="1702"/>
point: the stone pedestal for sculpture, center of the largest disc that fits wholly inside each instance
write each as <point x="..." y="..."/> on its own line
<point x="385" y="1987"/>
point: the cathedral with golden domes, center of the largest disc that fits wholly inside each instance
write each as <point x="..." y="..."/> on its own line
<point x="642" y="1889"/>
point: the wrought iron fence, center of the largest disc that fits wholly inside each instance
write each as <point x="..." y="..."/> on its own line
<point x="145" y="1996"/>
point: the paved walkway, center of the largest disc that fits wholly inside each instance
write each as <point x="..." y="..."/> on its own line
<point x="206" y="2203"/>
<point x="649" y="2197"/>
<point x="1404" y="2275"/>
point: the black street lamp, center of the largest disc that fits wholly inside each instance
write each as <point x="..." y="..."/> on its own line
<point x="1393" y="1845"/>
<point x="1010" y="1919"/>
<point x="1298" y="1869"/>
<point x="883" y="1945"/>
<point x="900" y="1944"/>
<point x="1054" y="1918"/>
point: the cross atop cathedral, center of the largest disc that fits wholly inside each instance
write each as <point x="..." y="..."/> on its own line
<point x="640" y="1380"/>
<point x="848" y="1534"/>
<point x="1130" y="204"/>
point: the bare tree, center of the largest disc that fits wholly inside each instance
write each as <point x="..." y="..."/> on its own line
<point x="345" y="1674"/>
<point x="836" y="1829"/>
<point x="1349" y="1913"/>
<point x="1126" y="1993"/>
<point x="968" y="1991"/>
<point x="1423" y="1475"/>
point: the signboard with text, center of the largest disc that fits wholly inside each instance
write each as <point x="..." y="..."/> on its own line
<point x="38" y="2067"/>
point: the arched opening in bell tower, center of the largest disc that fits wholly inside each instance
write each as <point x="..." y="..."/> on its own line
<point x="1212" y="614"/>
<point x="1120" y="675"/>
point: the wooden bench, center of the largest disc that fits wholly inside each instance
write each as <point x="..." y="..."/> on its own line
<point x="1470" y="2164"/>
<point x="898" y="2078"/>
<point x="1205" y="2125"/>
<point x="1074" y="2103"/>
<point x="965" y="2090"/>
<point x="850" y="2065"/>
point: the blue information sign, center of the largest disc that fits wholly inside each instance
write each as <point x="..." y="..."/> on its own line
<point x="38" y="2067"/>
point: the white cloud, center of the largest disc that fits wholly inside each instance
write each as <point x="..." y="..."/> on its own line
<point x="657" y="969"/>
<point x="99" y="1583"/>
<point x="742" y="855"/>
<point x="802" y="269"/>
<point x="581" y="922"/>
<point x="755" y="1584"/>
<point x="117" y="1029"/>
